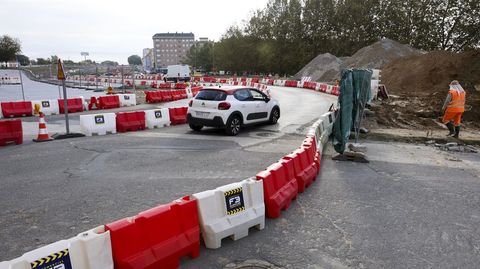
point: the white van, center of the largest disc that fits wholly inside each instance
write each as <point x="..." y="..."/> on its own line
<point x="178" y="73"/>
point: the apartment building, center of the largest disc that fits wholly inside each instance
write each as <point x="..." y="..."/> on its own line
<point x="171" y="48"/>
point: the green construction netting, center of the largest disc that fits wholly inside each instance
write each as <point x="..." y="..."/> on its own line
<point x="355" y="92"/>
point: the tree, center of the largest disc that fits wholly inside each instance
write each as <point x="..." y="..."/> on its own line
<point x="109" y="63"/>
<point x="68" y="62"/>
<point x="23" y="60"/>
<point x="42" y="61"/>
<point x="9" y="47"/>
<point x="135" y="60"/>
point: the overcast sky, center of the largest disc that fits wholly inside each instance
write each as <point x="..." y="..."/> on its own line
<point x="113" y="30"/>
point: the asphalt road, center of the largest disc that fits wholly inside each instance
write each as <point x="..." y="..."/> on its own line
<point x="50" y="191"/>
<point x="412" y="206"/>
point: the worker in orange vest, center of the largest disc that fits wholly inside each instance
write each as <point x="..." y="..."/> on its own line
<point x="453" y="108"/>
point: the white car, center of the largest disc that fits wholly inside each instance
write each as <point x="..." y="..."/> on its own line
<point x="231" y="108"/>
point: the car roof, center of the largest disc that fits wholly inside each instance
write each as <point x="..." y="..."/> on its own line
<point x="226" y="89"/>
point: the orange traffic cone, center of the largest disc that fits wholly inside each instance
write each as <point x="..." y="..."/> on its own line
<point x="42" y="130"/>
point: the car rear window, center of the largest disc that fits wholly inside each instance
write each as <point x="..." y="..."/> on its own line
<point x="211" y="95"/>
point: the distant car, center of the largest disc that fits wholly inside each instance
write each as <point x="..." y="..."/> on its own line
<point x="231" y="108"/>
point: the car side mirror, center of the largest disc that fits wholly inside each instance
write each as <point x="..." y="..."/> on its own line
<point x="267" y="99"/>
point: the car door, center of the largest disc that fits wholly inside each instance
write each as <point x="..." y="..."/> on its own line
<point x="246" y="106"/>
<point x="259" y="111"/>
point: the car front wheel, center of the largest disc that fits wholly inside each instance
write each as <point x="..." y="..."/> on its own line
<point x="274" y="115"/>
<point x="233" y="125"/>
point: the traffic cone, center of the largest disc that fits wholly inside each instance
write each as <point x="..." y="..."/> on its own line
<point x="42" y="130"/>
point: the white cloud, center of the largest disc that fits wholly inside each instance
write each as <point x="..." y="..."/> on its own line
<point x="110" y="29"/>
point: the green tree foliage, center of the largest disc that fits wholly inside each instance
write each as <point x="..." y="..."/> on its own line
<point x="134" y="60"/>
<point x="42" y="61"/>
<point x="23" y="60"/>
<point x="109" y="63"/>
<point x="287" y="34"/>
<point x="9" y="48"/>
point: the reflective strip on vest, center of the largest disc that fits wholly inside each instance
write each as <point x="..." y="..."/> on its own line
<point x="458" y="99"/>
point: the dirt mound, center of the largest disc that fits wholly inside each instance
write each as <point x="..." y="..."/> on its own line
<point x="323" y="68"/>
<point x="327" y="67"/>
<point x="421" y="84"/>
<point x="379" y="54"/>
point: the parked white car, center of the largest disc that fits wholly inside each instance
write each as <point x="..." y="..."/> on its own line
<point x="231" y="108"/>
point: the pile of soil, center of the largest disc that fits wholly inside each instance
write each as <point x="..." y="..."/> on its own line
<point x="379" y="54"/>
<point x="418" y="86"/>
<point x="326" y="67"/>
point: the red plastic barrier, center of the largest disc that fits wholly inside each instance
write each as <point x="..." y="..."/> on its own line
<point x="270" y="82"/>
<point x="196" y="79"/>
<point x="305" y="172"/>
<point x="311" y="147"/>
<point x="323" y="87"/>
<point x="74" y="105"/>
<point x="17" y="109"/>
<point x="309" y="85"/>
<point x="235" y="83"/>
<point x="11" y="131"/>
<point x="143" y="83"/>
<point x="280" y="187"/>
<point x="180" y="85"/>
<point x="243" y="79"/>
<point x="153" y="84"/>
<point x="183" y="94"/>
<point x="336" y="90"/>
<point x="223" y="81"/>
<point x="244" y="83"/>
<point x="153" y="97"/>
<point x="178" y="115"/>
<point x="108" y="102"/>
<point x="195" y="90"/>
<point x="165" y="85"/>
<point x="156" y="238"/>
<point x="176" y="95"/>
<point x="291" y="83"/>
<point x="255" y="80"/>
<point x="130" y="121"/>
<point x="93" y="105"/>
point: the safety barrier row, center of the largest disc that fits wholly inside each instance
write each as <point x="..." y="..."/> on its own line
<point x="165" y="96"/>
<point x="161" y="236"/>
<point x="111" y="123"/>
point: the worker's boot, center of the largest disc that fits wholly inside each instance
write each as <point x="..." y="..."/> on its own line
<point x="457" y="131"/>
<point x="450" y="128"/>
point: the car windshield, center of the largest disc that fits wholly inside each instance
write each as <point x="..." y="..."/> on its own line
<point x="211" y="95"/>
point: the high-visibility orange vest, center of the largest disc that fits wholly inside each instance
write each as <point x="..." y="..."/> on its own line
<point x="457" y="104"/>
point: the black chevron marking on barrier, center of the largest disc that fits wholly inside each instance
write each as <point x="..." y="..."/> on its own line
<point x="44" y="263"/>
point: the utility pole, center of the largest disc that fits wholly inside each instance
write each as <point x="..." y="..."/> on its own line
<point x="21" y="80"/>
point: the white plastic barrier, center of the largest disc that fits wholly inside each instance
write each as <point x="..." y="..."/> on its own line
<point x="279" y="82"/>
<point x="376" y="74"/>
<point x="317" y="86"/>
<point x="328" y="120"/>
<point x="48" y="107"/>
<point x="88" y="250"/>
<point x="230" y="210"/>
<point x="299" y="84"/>
<point x="127" y="99"/>
<point x="329" y="89"/>
<point x="157" y="118"/>
<point x="1" y="113"/>
<point x="374" y="87"/>
<point x="98" y="124"/>
<point x="317" y="129"/>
